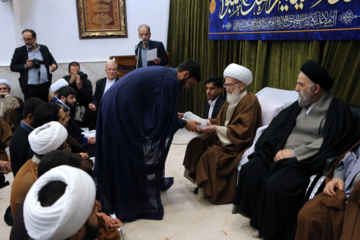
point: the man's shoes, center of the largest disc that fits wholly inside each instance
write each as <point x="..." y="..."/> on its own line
<point x="4" y="184"/>
<point x="167" y="183"/>
<point x="8" y="218"/>
<point x="196" y="190"/>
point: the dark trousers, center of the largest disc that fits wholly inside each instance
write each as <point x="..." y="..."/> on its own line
<point x="40" y="91"/>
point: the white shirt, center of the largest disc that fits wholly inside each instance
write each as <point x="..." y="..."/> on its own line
<point x="212" y="105"/>
<point x="108" y="84"/>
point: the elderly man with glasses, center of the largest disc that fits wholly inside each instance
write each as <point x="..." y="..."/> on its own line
<point x="211" y="158"/>
<point x="35" y="63"/>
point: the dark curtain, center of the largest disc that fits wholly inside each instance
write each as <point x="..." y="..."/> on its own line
<point x="273" y="63"/>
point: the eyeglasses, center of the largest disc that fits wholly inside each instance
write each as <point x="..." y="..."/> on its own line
<point x="5" y="88"/>
<point x="27" y="39"/>
<point x="229" y="84"/>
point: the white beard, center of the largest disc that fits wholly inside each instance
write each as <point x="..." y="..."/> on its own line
<point x="233" y="97"/>
<point x="306" y="98"/>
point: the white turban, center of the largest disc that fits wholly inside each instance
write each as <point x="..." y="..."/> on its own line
<point x="68" y="214"/>
<point x="239" y="73"/>
<point x="6" y="82"/>
<point x="58" y="84"/>
<point x="47" y="137"/>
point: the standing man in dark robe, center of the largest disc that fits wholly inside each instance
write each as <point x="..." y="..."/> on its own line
<point x="136" y="122"/>
<point x="211" y="159"/>
<point x="271" y="186"/>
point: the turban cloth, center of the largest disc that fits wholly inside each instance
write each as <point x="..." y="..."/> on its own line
<point x="317" y="74"/>
<point x="238" y="72"/>
<point x="68" y="214"/>
<point x="47" y="137"/>
<point x="58" y="84"/>
<point x="6" y="82"/>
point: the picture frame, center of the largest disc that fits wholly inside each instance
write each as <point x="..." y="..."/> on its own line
<point x="101" y="19"/>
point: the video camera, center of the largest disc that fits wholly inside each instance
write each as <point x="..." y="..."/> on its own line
<point x="82" y="75"/>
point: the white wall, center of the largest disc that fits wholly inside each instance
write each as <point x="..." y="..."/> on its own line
<point x="56" y="25"/>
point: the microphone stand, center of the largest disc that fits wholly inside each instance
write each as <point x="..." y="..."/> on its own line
<point x="138" y="50"/>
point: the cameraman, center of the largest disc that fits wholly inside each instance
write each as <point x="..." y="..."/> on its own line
<point x="83" y="87"/>
<point x="34" y="62"/>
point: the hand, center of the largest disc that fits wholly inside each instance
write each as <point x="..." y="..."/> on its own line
<point x="91" y="140"/>
<point x="92" y="107"/>
<point x="84" y="155"/>
<point x="191" y="125"/>
<point x="5" y="165"/>
<point x="282" y="154"/>
<point x="98" y="206"/>
<point x="73" y="77"/>
<point x="3" y="94"/>
<point x="180" y="115"/>
<point x="109" y="221"/>
<point x="209" y="129"/>
<point x="330" y="187"/>
<point x="29" y="63"/>
<point x="157" y="60"/>
<point x="53" y="67"/>
<point x="79" y="82"/>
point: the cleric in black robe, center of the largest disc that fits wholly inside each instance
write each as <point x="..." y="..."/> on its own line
<point x="271" y="189"/>
<point x="136" y="123"/>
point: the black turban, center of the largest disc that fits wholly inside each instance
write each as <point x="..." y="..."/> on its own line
<point x="317" y="74"/>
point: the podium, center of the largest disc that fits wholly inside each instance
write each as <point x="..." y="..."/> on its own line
<point x="125" y="64"/>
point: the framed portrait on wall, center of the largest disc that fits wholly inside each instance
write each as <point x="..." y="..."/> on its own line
<point x="101" y="18"/>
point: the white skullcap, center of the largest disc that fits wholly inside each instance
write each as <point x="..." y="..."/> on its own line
<point x="58" y="84"/>
<point x="6" y="82"/>
<point x="239" y="73"/>
<point x="47" y="137"/>
<point x="65" y="216"/>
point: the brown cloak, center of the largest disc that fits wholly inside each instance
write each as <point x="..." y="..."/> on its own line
<point x="214" y="166"/>
<point x="323" y="217"/>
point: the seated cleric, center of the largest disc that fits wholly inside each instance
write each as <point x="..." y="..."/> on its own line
<point x="271" y="186"/>
<point x="211" y="159"/>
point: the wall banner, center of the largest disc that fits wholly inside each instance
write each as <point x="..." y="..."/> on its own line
<point x="284" y="20"/>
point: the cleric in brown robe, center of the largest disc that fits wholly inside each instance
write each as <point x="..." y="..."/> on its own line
<point x="211" y="159"/>
<point x="323" y="216"/>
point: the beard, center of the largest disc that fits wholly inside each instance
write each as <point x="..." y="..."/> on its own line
<point x="182" y="83"/>
<point x="234" y="96"/>
<point x="306" y="97"/>
<point x="69" y="105"/>
<point x="91" y="232"/>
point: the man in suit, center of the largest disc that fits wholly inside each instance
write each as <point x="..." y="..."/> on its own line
<point x="84" y="93"/>
<point x="104" y="84"/>
<point x="34" y="62"/>
<point x="145" y="44"/>
<point x="214" y="87"/>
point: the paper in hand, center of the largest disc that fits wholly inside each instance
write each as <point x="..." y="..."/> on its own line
<point x="151" y="54"/>
<point x="191" y="116"/>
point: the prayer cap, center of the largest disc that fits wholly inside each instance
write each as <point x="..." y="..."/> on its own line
<point x="6" y="82"/>
<point x="58" y="84"/>
<point x="47" y="137"/>
<point x="317" y="74"/>
<point x="238" y="72"/>
<point x="65" y="216"/>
